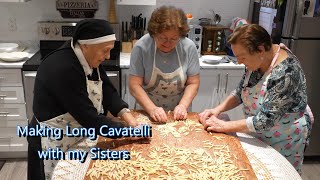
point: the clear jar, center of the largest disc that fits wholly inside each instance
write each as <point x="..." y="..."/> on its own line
<point x="209" y="48"/>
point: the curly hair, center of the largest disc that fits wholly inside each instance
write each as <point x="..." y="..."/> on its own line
<point x="251" y="36"/>
<point x="167" y="18"/>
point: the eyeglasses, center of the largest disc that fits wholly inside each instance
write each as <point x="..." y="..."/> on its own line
<point x="164" y="40"/>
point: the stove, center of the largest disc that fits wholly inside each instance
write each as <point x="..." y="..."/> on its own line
<point x="113" y="64"/>
<point x="52" y="35"/>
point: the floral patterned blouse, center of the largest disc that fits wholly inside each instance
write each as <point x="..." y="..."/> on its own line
<point x="286" y="93"/>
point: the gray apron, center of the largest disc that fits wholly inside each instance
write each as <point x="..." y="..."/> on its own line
<point x="166" y="89"/>
<point x="94" y="89"/>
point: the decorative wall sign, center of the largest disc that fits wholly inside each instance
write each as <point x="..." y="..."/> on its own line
<point x="77" y="8"/>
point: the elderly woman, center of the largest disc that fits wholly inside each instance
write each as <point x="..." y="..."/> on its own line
<point x="72" y="89"/>
<point x="273" y="94"/>
<point x="164" y="66"/>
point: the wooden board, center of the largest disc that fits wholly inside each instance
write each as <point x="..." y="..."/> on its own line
<point x="191" y="140"/>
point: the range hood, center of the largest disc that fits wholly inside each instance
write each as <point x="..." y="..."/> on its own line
<point x="14" y="0"/>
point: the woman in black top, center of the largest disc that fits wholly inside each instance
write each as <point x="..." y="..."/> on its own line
<point x="72" y="88"/>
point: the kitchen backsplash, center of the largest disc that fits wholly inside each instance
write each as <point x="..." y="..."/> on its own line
<point x="19" y="20"/>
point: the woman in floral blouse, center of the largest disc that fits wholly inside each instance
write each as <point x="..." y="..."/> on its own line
<point x="273" y="94"/>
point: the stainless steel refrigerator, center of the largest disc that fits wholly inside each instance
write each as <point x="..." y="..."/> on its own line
<point x="302" y="36"/>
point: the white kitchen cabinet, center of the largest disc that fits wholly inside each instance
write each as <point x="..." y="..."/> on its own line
<point x="125" y="92"/>
<point x="11" y="95"/>
<point x="136" y="2"/>
<point x="208" y="94"/>
<point x="230" y="79"/>
<point x="10" y="142"/>
<point x="12" y="113"/>
<point x="215" y="86"/>
<point x="10" y="77"/>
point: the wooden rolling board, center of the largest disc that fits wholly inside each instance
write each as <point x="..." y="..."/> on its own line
<point x="191" y="140"/>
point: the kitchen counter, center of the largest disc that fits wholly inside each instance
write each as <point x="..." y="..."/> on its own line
<point x="229" y="65"/>
<point x="33" y="63"/>
<point x="19" y="64"/>
<point x="125" y="63"/>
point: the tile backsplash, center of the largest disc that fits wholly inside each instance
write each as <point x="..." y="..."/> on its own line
<point x="19" y="20"/>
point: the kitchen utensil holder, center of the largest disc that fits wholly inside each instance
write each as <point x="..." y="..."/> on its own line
<point x="134" y="42"/>
<point x="126" y="47"/>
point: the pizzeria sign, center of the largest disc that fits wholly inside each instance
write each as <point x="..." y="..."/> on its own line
<point x="77" y="8"/>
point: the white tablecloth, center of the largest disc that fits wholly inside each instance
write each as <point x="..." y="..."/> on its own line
<point x="266" y="162"/>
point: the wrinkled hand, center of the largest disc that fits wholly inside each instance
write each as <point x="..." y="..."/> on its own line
<point x="215" y="124"/>
<point x="158" y="114"/>
<point x="208" y="113"/>
<point x="130" y="120"/>
<point x="145" y="139"/>
<point x="133" y="123"/>
<point x="180" y="112"/>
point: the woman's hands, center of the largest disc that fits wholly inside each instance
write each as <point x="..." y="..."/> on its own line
<point x="158" y="114"/>
<point x="210" y="121"/>
<point x="208" y="113"/>
<point x="215" y="124"/>
<point x="180" y="112"/>
<point x="130" y="120"/>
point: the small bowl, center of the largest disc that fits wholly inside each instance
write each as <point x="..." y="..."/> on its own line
<point x="8" y="47"/>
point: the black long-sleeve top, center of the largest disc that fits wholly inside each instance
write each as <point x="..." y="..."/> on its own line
<point x="61" y="87"/>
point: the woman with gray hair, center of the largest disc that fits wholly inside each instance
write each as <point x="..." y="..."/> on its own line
<point x="164" y="66"/>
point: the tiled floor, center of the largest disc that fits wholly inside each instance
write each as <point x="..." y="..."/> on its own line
<point x="17" y="170"/>
<point x="311" y="170"/>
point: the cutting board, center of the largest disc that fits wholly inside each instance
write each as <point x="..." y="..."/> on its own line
<point x="189" y="142"/>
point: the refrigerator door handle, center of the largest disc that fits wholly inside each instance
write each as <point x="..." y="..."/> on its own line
<point x="289" y="18"/>
<point x="292" y="45"/>
<point x="297" y="24"/>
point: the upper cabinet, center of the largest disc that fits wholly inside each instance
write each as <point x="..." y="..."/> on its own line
<point x="14" y="0"/>
<point x="135" y="2"/>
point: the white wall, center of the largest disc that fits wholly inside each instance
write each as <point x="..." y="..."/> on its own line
<point x="198" y="8"/>
<point x="26" y="15"/>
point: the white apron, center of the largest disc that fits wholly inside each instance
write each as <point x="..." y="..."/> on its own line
<point x="166" y="89"/>
<point x="94" y="89"/>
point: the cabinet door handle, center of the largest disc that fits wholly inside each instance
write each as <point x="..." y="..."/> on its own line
<point x="125" y="84"/>
<point x="2" y="96"/>
<point x="32" y="74"/>
<point x="112" y="74"/>
<point x="218" y="88"/>
<point x="226" y="87"/>
<point x="4" y="114"/>
<point x="8" y="138"/>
